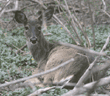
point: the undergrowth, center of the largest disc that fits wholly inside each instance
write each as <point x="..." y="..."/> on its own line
<point x="14" y="66"/>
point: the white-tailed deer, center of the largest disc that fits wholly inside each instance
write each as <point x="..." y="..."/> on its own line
<point x="50" y="55"/>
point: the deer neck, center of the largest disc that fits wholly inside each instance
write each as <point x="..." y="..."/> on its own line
<point x="40" y="50"/>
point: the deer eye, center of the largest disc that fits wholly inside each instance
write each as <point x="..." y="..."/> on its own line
<point x="39" y="28"/>
<point x="26" y="27"/>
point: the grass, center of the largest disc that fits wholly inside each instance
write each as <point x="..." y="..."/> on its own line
<point x="14" y="66"/>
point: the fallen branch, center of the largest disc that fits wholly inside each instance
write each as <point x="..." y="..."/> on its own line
<point x="81" y="48"/>
<point x="101" y="67"/>
<point x="38" y="92"/>
<point x="19" y="85"/>
<point x="67" y="85"/>
<point x="89" y="86"/>
<point x="37" y="75"/>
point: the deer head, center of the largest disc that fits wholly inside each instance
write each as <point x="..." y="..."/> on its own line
<point x="33" y="26"/>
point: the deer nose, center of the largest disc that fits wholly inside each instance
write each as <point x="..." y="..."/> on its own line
<point x="33" y="40"/>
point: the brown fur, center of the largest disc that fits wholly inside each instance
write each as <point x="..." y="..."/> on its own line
<point x="51" y="55"/>
<point x="61" y="54"/>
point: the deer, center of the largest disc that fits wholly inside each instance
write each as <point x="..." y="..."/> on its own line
<point x="49" y="55"/>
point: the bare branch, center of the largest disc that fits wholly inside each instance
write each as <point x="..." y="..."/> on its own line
<point x="101" y="67"/>
<point x="37" y="75"/>
<point x="106" y="13"/>
<point x="83" y="49"/>
<point x="67" y="81"/>
<point x="92" y="23"/>
<point x="10" y="10"/>
<point x="73" y="23"/>
<point x="38" y="92"/>
<point x="89" y="86"/>
<point x="104" y="4"/>
<point x="16" y="7"/>
<point x="3" y="10"/>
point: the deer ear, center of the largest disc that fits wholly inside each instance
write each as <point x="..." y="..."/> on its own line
<point x="20" y="17"/>
<point x="49" y="12"/>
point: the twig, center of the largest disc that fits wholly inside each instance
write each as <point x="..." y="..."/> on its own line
<point x="73" y="23"/>
<point x="83" y="17"/>
<point x="92" y="24"/>
<point x="61" y="83"/>
<point x="66" y="29"/>
<point x="106" y="43"/>
<point x="106" y="13"/>
<point x="21" y="48"/>
<point x="3" y="9"/>
<point x="9" y="45"/>
<point x="38" y="92"/>
<point x="16" y="47"/>
<point x="16" y="7"/>
<point x="104" y="8"/>
<point x="19" y="85"/>
<point x="37" y="75"/>
<point x="66" y="17"/>
<point x="10" y="10"/>
<point x="67" y="81"/>
<point x="80" y="27"/>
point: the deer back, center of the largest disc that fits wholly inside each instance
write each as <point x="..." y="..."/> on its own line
<point x="49" y="55"/>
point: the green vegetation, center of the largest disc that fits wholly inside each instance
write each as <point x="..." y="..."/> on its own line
<point x="14" y="66"/>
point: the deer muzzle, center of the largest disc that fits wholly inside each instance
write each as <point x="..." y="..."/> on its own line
<point x="33" y="40"/>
